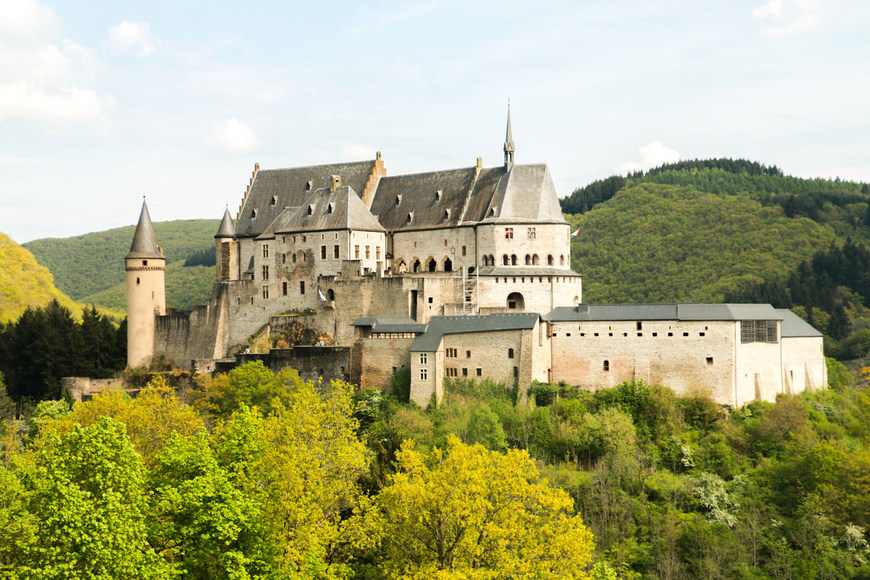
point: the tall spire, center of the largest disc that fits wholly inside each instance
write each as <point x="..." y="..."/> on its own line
<point x="144" y="240"/>
<point x="226" y="229"/>
<point x="508" y="143"/>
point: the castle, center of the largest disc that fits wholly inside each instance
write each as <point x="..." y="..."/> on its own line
<point x="454" y="273"/>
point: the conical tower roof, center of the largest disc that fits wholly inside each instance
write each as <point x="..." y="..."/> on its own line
<point x="227" y="228"/>
<point x="144" y="240"/>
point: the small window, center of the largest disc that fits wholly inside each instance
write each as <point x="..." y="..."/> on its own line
<point x="709" y="361"/>
<point x="356" y="252"/>
<point x="516" y="372"/>
<point x="510" y="353"/>
<point x="302" y="286"/>
<point x="265" y="250"/>
<point x="479" y="372"/>
<point x="310" y="209"/>
<point x="265" y="292"/>
<point x="284" y="288"/>
<point x="463" y="250"/>
<point x="701" y="334"/>
<point x="464" y="372"/>
<point x="309" y="185"/>
<point x="685" y="334"/>
<point x="424" y="373"/>
<point x="368" y="252"/>
<point x="322" y="252"/>
<point x="424" y="358"/>
<point x="640" y="325"/>
<point x="410" y="217"/>
<point x="137" y="281"/>
<point x="508" y="233"/>
<point x="335" y="251"/>
<point x="253" y="214"/>
<point x="606" y="365"/>
<point x="377" y="252"/>
<point x="398" y="200"/>
<point x="438" y="195"/>
<point x="329" y="208"/>
<point x="467" y="354"/>
<point x="531" y="233"/>
<point x="274" y="201"/>
<point x="430" y="300"/>
<point x="144" y="262"/>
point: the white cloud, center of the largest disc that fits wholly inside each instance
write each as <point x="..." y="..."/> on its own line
<point x="357" y="152"/>
<point x="232" y="136"/>
<point x="652" y="155"/>
<point x="42" y="76"/>
<point x="130" y="37"/>
<point x="783" y="17"/>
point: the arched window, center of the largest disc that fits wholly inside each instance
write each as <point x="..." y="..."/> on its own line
<point x="513" y="259"/>
<point x="416" y="267"/>
<point x="534" y="259"/>
<point x="448" y="265"/>
<point x="607" y="365"/>
<point x="562" y="260"/>
<point x="515" y="301"/>
<point x="401" y="267"/>
<point x="431" y="265"/>
<point x="549" y="259"/>
<point x="528" y="260"/>
<point x="330" y="294"/>
<point x="506" y="260"/>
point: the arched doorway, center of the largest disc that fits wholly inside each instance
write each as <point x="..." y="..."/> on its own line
<point x="515" y="301"/>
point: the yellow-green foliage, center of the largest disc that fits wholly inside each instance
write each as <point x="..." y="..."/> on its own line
<point x="25" y="283"/>
<point x="662" y="243"/>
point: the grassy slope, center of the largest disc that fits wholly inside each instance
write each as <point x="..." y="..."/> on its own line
<point x="88" y="264"/>
<point x="661" y="243"/>
<point x="185" y="288"/>
<point x="23" y="283"/>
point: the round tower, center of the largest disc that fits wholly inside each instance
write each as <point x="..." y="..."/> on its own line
<point x="146" y="295"/>
<point x="226" y="250"/>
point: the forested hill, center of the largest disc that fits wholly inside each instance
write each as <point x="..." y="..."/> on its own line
<point x="90" y="268"/>
<point x="24" y="283"/>
<point x="730" y="230"/>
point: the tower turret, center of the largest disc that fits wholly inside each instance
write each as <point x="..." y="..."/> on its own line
<point x="226" y="250"/>
<point x="508" y="144"/>
<point x="146" y="294"/>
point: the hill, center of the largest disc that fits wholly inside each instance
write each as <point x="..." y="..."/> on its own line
<point x="25" y="283"/>
<point x="90" y="267"/>
<point x="664" y="243"/>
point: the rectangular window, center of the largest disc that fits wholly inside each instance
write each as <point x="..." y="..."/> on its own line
<point x="302" y="286"/>
<point x="479" y="372"/>
<point x="531" y="233"/>
<point x="265" y="272"/>
<point x="377" y="252"/>
<point x="709" y="360"/>
<point x="265" y="292"/>
<point x="467" y="354"/>
<point x="322" y="252"/>
<point x="516" y="372"/>
<point x="450" y="353"/>
<point x="265" y="250"/>
<point x="424" y="358"/>
<point x="356" y="252"/>
<point x="758" y="331"/>
<point x="335" y="251"/>
<point x="424" y="373"/>
<point x="284" y="288"/>
<point x="368" y="252"/>
<point x="508" y="233"/>
<point x="463" y="250"/>
<point x="464" y="372"/>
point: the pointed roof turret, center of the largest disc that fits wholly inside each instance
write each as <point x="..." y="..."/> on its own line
<point x="227" y="228"/>
<point x="144" y="240"/>
<point x="508" y="143"/>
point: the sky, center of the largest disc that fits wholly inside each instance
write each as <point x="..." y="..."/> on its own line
<point x="102" y="102"/>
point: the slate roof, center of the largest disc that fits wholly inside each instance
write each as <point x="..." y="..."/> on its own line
<point x="525" y="193"/>
<point x="389" y="324"/>
<point x="594" y="312"/>
<point x="441" y="325"/>
<point x="793" y="326"/>
<point x="325" y="210"/>
<point x="144" y="240"/>
<point x="418" y="194"/>
<point x="227" y="228"/>
<point x="290" y="188"/>
<point x="526" y="271"/>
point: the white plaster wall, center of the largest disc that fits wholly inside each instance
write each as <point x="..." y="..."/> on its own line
<point x="540" y="293"/>
<point x="803" y="362"/>
<point x="439" y="244"/>
<point x="550" y="239"/>
<point x="758" y="370"/>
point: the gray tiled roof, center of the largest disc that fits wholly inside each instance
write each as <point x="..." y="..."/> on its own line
<point x="794" y="326"/>
<point x="441" y="325"/>
<point x="508" y="271"/>
<point x="390" y="324"/>
<point x="290" y="188"/>
<point x="663" y="312"/>
<point x="144" y="240"/>
<point x="525" y="193"/>
<point x="418" y="194"/>
<point x="323" y="209"/>
<point x="227" y="229"/>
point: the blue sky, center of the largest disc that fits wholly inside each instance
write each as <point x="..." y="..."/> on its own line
<point x="101" y="102"/>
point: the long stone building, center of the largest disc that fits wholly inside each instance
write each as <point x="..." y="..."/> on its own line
<point x="453" y="273"/>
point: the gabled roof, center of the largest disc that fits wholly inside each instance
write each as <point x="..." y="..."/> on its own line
<point x="525" y="193"/>
<point x="275" y="189"/>
<point x="793" y="326"/>
<point x="323" y="209"/>
<point x="435" y="199"/>
<point x="144" y="240"/>
<point x="227" y="229"/>
<point x="601" y="312"/>
<point x="441" y="325"/>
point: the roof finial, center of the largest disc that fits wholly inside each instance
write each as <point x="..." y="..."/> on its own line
<point x="508" y="143"/>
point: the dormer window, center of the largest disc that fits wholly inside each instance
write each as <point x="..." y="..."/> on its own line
<point x="398" y="200"/>
<point x="329" y="208"/>
<point x="491" y="212"/>
<point x="274" y="200"/>
<point x="309" y="185"/>
<point x="410" y="217"/>
<point x="438" y="195"/>
<point x="446" y="214"/>
<point x="253" y="214"/>
<point x="311" y="209"/>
